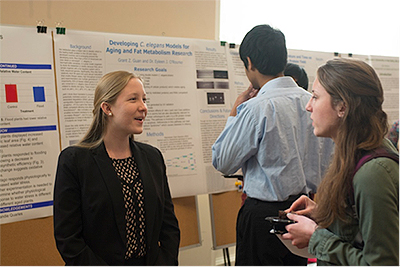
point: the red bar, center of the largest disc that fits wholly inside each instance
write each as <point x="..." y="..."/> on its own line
<point x="11" y="93"/>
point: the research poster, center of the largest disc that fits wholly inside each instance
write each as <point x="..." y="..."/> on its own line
<point x="214" y="93"/>
<point x="29" y="142"/>
<point x="310" y="61"/>
<point x="186" y="83"/>
<point x="387" y="69"/>
<point x="238" y="81"/>
<point x="388" y="72"/>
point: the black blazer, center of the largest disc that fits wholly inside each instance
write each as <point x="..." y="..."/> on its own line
<point x="89" y="212"/>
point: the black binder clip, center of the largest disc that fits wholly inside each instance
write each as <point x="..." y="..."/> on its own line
<point x="59" y="28"/>
<point x="40" y="27"/>
<point x="232" y="45"/>
<point x="223" y="43"/>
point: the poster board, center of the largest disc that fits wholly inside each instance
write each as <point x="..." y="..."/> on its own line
<point x="224" y="208"/>
<point x="186" y="210"/>
<point x="28" y="243"/>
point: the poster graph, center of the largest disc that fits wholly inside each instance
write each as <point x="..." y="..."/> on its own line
<point x="11" y="93"/>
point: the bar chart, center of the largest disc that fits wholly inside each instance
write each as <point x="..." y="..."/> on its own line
<point x="11" y="93"/>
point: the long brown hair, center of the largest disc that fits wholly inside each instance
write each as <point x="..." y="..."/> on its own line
<point x="107" y="90"/>
<point x="362" y="128"/>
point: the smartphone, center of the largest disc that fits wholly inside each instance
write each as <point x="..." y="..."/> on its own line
<point x="278" y="225"/>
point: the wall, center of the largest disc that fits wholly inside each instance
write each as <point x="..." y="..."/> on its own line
<point x="182" y="18"/>
<point x="189" y="19"/>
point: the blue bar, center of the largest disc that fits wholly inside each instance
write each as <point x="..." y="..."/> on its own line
<point x="25" y="66"/>
<point x="38" y="94"/>
<point x="28" y="129"/>
<point x="26" y="206"/>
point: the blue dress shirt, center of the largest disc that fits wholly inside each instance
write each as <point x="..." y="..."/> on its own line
<point x="271" y="138"/>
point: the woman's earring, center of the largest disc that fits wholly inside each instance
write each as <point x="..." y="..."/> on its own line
<point x="110" y="114"/>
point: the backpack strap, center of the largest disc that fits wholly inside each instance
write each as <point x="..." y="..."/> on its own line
<point x="380" y="152"/>
<point x="377" y="153"/>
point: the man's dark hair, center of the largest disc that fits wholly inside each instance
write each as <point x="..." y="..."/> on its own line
<point x="266" y="48"/>
<point x="298" y="74"/>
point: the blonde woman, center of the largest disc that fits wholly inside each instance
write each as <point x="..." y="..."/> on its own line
<point x="112" y="203"/>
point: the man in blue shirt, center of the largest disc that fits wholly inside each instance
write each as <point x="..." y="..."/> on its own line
<point x="269" y="135"/>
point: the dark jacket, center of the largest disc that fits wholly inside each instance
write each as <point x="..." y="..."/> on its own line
<point x="89" y="212"/>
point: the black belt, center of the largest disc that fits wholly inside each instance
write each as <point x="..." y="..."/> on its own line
<point x="291" y="199"/>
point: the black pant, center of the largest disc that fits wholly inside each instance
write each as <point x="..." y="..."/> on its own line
<point x="254" y="244"/>
<point x="136" y="261"/>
